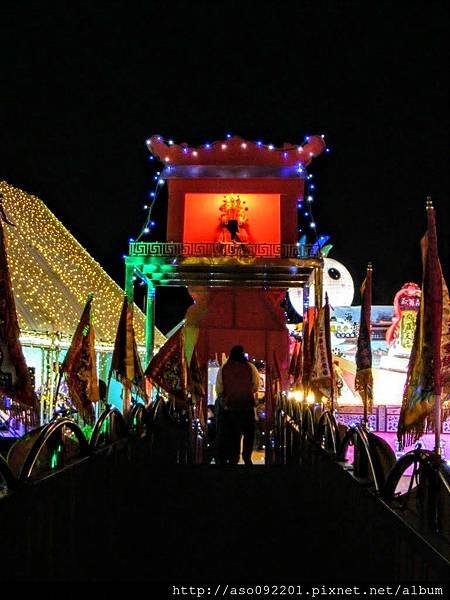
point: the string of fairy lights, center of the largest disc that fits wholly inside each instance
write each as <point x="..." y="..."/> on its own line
<point x="307" y="224"/>
<point x="52" y="274"/>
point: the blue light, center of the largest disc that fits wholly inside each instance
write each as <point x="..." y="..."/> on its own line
<point x="131" y="240"/>
<point x="312" y="224"/>
<point x="259" y="143"/>
<point x="151" y="157"/>
<point x="161" y="181"/>
<point x="228" y="136"/>
<point x="312" y="186"/>
<point x="152" y="223"/>
<point x="309" y="198"/>
<point x="152" y="194"/>
<point x="306" y="213"/>
<point x="208" y="146"/>
<point x="146" y="230"/>
<point x="185" y="150"/>
<point x="327" y="150"/>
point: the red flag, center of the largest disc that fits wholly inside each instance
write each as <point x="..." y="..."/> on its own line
<point x="125" y="363"/>
<point x="322" y="376"/>
<point x="196" y="387"/>
<point x="278" y="381"/>
<point x="308" y="347"/>
<point x="295" y="366"/>
<point x="293" y="362"/>
<point x="363" y="377"/>
<point x="270" y="400"/>
<point x="428" y="374"/>
<point x="167" y="369"/>
<point x="80" y="367"/>
<point x="298" y="365"/>
<point x="15" y="380"/>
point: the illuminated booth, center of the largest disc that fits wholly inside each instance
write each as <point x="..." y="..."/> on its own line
<point x="232" y="240"/>
<point x="51" y="276"/>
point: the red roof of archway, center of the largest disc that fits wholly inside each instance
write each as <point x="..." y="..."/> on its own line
<point x="236" y="151"/>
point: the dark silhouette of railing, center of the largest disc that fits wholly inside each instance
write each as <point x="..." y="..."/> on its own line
<point x="306" y="435"/>
<point x="363" y="488"/>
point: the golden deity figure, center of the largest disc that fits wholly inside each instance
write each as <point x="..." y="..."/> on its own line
<point x="233" y="220"/>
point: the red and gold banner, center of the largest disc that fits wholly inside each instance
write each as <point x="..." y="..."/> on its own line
<point x="364" y="377"/>
<point x="126" y="365"/>
<point x="428" y="378"/>
<point x="80" y="367"/>
<point x="167" y="369"/>
<point x="322" y="377"/>
<point x="197" y="388"/>
<point x="15" y="380"/>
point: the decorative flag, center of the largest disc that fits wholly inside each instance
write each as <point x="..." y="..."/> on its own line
<point x="79" y="366"/>
<point x="322" y="377"/>
<point x="363" y="377"/>
<point x="167" y="369"/>
<point x="293" y="363"/>
<point x="197" y="388"/>
<point x="15" y="380"/>
<point x="125" y="363"/>
<point x="270" y="400"/>
<point x="308" y="347"/>
<point x="427" y="386"/>
<point x="298" y="366"/>
<point x="277" y="378"/>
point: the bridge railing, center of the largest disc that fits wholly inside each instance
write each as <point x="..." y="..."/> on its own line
<point x="358" y="471"/>
<point x="301" y="431"/>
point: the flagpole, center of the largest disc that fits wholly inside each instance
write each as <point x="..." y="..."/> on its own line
<point x="436" y="299"/>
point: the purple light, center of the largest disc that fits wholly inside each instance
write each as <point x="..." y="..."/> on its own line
<point x="185" y="150"/>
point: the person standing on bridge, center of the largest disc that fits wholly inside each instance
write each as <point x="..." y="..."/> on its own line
<point x="236" y="385"/>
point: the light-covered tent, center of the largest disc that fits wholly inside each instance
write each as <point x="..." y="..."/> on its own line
<point x="52" y="275"/>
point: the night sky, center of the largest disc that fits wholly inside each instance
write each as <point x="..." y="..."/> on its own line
<point x="84" y="84"/>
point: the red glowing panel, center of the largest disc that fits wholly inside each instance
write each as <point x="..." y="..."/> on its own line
<point x="209" y="218"/>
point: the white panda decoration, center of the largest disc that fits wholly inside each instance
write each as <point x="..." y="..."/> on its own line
<point x="337" y="283"/>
